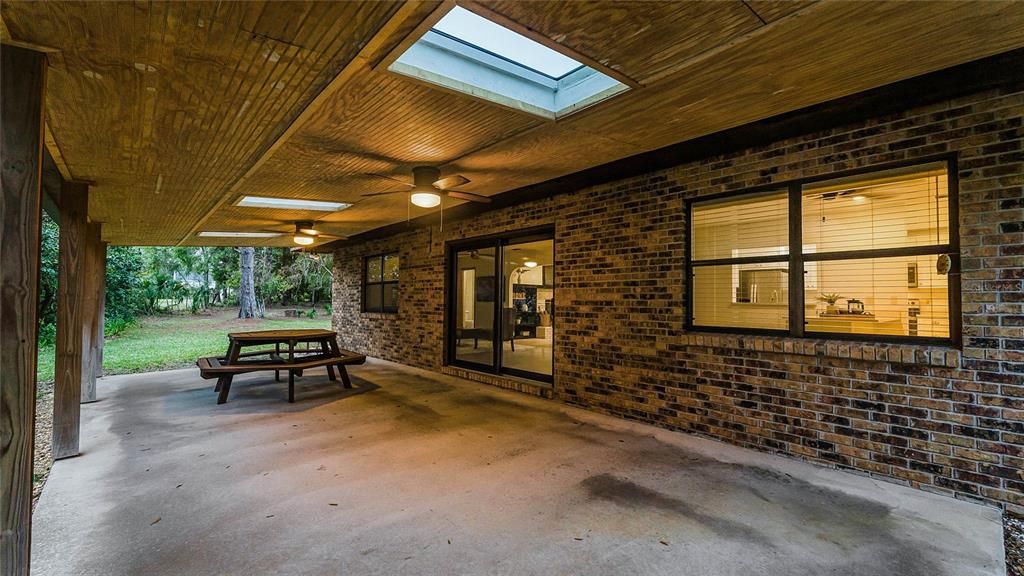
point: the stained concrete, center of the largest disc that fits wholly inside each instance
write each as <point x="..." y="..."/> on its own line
<point x="417" y="473"/>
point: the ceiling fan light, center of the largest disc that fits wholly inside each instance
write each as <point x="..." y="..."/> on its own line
<point x="309" y="231"/>
<point x="302" y="239"/>
<point x="530" y="264"/>
<point x="425" y="199"/>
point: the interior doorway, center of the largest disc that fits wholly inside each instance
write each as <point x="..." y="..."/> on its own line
<point x="501" y="310"/>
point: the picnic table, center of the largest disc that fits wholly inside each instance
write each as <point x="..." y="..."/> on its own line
<point x="293" y="351"/>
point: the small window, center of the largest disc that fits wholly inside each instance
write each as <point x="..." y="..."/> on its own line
<point x="380" y="283"/>
<point x="872" y="258"/>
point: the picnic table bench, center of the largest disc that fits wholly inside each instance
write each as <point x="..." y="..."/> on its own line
<point x="320" y="349"/>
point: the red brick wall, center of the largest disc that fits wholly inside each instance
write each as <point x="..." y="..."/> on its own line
<point x="937" y="418"/>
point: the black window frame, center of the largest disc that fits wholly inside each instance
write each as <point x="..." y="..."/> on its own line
<point x="382" y="283"/>
<point x="796" y="258"/>
<point x="499" y="241"/>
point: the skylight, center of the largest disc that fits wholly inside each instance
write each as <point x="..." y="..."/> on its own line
<point x="291" y="204"/>
<point x="211" y="234"/>
<point x="468" y="53"/>
<point x="480" y="32"/>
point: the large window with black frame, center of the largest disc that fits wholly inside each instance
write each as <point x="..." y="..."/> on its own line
<point x="501" y="308"/>
<point x="380" y="283"/>
<point x="869" y="255"/>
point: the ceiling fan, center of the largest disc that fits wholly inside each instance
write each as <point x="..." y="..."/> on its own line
<point x="306" y="233"/>
<point x="427" y="186"/>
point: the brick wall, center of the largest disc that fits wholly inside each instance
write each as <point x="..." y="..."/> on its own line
<point x="940" y="419"/>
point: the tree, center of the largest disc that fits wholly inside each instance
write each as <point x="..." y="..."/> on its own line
<point x="246" y="288"/>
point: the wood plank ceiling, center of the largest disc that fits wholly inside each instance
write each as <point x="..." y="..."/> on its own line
<point x="176" y="109"/>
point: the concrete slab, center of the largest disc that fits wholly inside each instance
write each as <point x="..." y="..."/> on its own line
<point x="418" y="473"/>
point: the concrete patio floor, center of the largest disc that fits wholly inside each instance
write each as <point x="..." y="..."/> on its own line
<point x="418" y="473"/>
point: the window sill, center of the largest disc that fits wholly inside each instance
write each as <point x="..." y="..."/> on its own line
<point x="939" y="356"/>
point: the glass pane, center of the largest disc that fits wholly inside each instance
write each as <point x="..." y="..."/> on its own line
<point x="891" y="209"/>
<point x="901" y="296"/>
<point x="373" y="269"/>
<point x="742" y="296"/>
<point x="391" y="268"/>
<point x="529" y="306"/>
<point x="476" y="291"/>
<point x="390" y="296"/>
<point x="373" y="297"/>
<point x="755" y="225"/>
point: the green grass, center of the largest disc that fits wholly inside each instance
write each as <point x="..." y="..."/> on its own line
<point x="176" y="341"/>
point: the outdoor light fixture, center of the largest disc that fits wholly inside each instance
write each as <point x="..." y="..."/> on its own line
<point x="425" y="197"/>
<point x="302" y="239"/>
<point x="530" y="264"/>
<point x="306" y="228"/>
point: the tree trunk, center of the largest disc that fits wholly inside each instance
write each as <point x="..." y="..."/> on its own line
<point x="246" y="288"/>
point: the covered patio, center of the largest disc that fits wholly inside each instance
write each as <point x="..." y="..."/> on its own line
<point x="412" y="472"/>
<point x="791" y="230"/>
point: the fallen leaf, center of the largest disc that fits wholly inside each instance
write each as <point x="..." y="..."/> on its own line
<point x="270" y="515"/>
<point x="155" y="521"/>
<point x="332" y="503"/>
<point x="577" y="538"/>
<point x="663" y="542"/>
<point x="179" y="485"/>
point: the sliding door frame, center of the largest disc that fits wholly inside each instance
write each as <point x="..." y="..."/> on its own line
<point x="451" y="316"/>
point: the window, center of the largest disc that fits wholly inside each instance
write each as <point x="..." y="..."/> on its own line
<point x="861" y="256"/>
<point x="476" y="56"/>
<point x="380" y="283"/>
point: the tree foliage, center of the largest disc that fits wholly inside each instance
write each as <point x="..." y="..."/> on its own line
<point x="152" y="280"/>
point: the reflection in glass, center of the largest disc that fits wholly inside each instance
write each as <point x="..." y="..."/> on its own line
<point x="475" y="294"/>
<point x="528" y="307"/>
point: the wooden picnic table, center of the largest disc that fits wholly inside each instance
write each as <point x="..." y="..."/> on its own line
<point x="319" y="348"/>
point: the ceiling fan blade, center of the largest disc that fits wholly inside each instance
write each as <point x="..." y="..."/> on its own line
<point x="451" y="182"/>
<point x="402" y="182"/>
<point x="469" y="196"/>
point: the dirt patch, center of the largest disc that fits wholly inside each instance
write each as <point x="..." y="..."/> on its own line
<point x="43" y="458"/>
<point x="1013" y="538"/>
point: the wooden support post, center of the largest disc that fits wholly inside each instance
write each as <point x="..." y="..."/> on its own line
<point x="92" y="331"/>
<point x="71" y="320"/>
<point x="101" y="311"/>
<point x="22" y="84"/>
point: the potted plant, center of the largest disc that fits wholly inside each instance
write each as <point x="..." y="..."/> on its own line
<point x="830" y="299"/>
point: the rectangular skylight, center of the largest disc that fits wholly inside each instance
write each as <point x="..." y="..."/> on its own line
<point x="476" y="56"/>
<point x="480" y="32"/>
<point x="291" y="204"/>
<point x="211" y="234"/>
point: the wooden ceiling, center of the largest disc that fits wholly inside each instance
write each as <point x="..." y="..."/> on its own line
<point x="176" y="109"/>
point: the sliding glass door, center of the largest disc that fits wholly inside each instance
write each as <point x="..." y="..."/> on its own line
<point x="501" y="305"/>
<point x="475" y="294"/>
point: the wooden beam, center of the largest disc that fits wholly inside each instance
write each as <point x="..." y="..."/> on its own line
<point x="71" y="319"/>
<point x="22" y="85"/>
<point x="101" y="311"/>
<point x="93" y="279"/>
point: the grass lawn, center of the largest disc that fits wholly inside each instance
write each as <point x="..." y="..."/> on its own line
<point x="176" y="341"/>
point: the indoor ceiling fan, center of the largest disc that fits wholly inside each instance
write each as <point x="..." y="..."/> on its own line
<point x="427" y="187"/>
